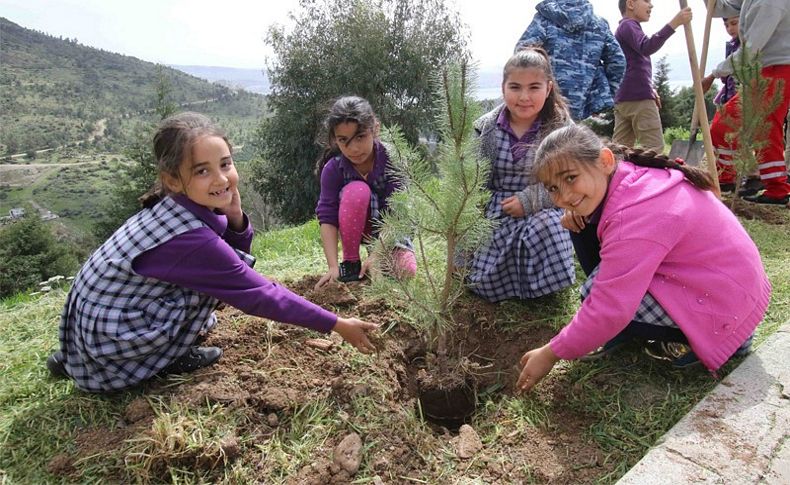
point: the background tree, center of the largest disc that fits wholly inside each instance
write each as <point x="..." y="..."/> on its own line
<point x="381" y="50"/>
<point x="661" y="84"/>
<point x="30" y="253"/>
<point x="684" y="105"/>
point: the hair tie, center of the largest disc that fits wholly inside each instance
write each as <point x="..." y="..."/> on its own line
<point x="680" y="161"/>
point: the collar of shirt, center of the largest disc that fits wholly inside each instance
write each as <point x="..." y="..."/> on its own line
<point x="379" y="163"/>
<point x="518" y="146"/>
<point x="217" y="222"/>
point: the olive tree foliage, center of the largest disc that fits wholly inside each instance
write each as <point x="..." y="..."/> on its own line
<point x="382" y="50"/>
<point x="30" y="253"/>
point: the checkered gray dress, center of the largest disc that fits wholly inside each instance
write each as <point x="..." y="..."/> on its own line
<point x="119" y="328"/>
<point x="527" y="257"/>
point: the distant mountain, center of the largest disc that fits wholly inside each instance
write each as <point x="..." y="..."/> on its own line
<point x="253" y="80"/>
<point x="54" y="90"/>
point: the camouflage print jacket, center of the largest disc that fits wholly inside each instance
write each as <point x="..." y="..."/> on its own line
<point x="587" y="60"/>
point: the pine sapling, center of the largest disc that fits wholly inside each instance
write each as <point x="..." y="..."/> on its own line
<point x="440" y="208"/>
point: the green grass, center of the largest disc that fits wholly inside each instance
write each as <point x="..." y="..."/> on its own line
<point x="631" y="400"/>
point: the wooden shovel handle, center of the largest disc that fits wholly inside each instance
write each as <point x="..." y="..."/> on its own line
<point x="699" y="103"/>
<point x="703" y="60"/>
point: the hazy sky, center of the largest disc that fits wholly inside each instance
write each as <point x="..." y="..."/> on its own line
<point x="231" y="32"/>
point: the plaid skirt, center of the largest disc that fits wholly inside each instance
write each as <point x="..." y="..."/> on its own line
<point x="527" y="257"/>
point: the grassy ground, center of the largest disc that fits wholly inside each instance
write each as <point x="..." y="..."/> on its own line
<point x="632" y="401"/>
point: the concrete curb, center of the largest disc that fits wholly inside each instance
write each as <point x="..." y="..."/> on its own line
<point x="739" y="433"/>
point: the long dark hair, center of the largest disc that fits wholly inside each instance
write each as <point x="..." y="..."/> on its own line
<point x="555" y="109"/>
<point x="580" y="144"/>
<point x="173" y="143"/>
<point x="346" y="109"/>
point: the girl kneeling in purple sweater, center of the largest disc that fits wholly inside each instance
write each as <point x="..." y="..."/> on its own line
<point x="142" y="301"/>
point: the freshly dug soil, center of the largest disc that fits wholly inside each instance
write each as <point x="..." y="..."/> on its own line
<point x="269" y="372"/>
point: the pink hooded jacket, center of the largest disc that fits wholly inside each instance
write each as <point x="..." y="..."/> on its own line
<point x="661" y="234"/>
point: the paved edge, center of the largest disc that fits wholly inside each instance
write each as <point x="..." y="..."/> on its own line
<point x="739" y="433"/>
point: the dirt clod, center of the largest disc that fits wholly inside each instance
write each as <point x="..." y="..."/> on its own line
<point x="319" y="343"/>
<point x="467" y="443"/>
<point x="61" y="465"/>
<point x="347" y="453"/>
<point x="272" y="420"/>
<point x="137" y="410"/>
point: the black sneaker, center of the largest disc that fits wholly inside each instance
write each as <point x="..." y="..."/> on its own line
<point x="764" y="199"/>
<point x="606" y="349"/>
<point x="727" y="188"/>
<point x="750" y="186"/>
<point x="55" y="365"/>
<point x="349" y="271"/>
<point x="196" y="358"/>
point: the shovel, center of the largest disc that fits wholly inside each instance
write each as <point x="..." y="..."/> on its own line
<point x="699" y="101"/>
<point x="692" y="150"/>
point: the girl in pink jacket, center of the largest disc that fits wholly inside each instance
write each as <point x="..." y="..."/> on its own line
<point x="674" y="264"/>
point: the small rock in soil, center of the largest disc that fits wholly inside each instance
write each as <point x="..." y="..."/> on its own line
<point x="319" y="343"/>
<point x="231" y="448"/>
<point x="272" y="420"/>
<point x="468" y="442"/>
<point x="377" y="480"/>
<point x="347" y="453"/>
<point x="381" y="464"/>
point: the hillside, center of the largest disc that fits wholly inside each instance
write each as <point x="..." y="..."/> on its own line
<point x="55" y="90"/>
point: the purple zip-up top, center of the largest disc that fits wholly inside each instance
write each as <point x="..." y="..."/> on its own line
<point x="339" y="171"/>
<point x="204" y="260"/>
<point x="637" y="83"/>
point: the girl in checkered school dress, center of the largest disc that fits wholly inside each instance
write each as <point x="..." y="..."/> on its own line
<point x="672" y="264"/>
<point x="144" y="299"/>
<point x="530" y="253"/>
<point x="356" y="181"/>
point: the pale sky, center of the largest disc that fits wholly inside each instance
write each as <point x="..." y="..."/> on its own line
<point x="230" y="33"/>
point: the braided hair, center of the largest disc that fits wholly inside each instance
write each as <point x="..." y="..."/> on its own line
<point x="581" y="144"/>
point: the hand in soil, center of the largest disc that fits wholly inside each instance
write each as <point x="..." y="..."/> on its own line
<point x="332" y="275"/>
<point x="535" y="365"/>
<point x="355" y="332"/>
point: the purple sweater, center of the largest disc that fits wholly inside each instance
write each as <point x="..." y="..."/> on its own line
<point x="656" y="232"/>
<point x="204" y="260"/>
<point x="339" y="171"/>
<point x="637" y="83"/>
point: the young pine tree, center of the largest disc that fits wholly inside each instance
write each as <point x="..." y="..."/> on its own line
<point x="441" y="208"/>
<point x="756" y="102"/>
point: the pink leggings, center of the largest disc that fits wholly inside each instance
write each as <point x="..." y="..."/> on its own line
<point x="354" y="222"/>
